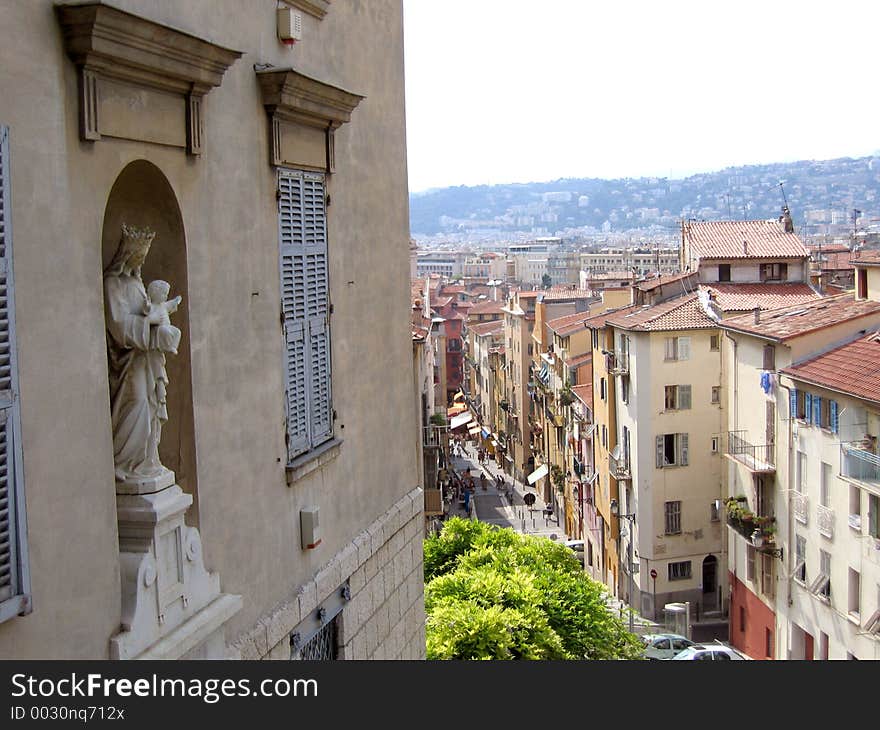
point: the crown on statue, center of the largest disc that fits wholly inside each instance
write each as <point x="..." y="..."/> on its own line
<point x="136" y="239"/>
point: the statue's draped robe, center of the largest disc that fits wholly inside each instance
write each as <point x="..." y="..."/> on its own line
<point x="134" y="406"/>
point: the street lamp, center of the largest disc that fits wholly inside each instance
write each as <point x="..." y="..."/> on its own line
<point x="615" y="510"/>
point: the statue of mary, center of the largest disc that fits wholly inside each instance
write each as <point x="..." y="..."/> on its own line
<point x="137" y="386"/>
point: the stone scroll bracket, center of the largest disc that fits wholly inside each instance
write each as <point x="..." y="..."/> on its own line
<point x="304" y="114"/>
<point x="139" y="79"/>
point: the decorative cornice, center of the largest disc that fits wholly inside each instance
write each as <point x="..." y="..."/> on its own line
<point x="317" y="8"/>
<point x="297" y="97"/>
<point x="107" y="43"/>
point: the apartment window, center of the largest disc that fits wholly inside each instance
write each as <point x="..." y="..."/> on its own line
<point x="874" y="516"/>
<point x="678" y="348"/>
<point x="529" y="348"/>
<point x="822" y="585"/>
<point x="306" y="311"/>
<point x="861" y="284"/>
<point x="716" y="394"/>
<point x="801" y="476"/>
<point x="713" y="343"/>
<point x="14" y="566"/>
<point x="624" y="388"/>
<point x="855" y="508"/>
<point x="603" y="389"/>
<point x="825" y="485"/>
<point x="680" y="570"/>
<point x="673" y="518"/>
<point x="604" y="436"/>
<point x="750" y="562"/>
<point x="714" y="444"/>
<point x="798" y="405"/>
<point x="800" y="559"/>
<point x="769" y="357"/>
<point x="773" y="272"/>
<point x="823" y="646"/>
<point x="595" y="336"/>
<point x="714" y="511"/>
<point x="453" y="345"/>
<point x="672" y="450"/>
<point x="677" y="397"/>
<point x="768" y="643"/>
<point x="767" y="575"/>
<point x="853" y="590"/>
<point x="723" y="272"/>
<point x="742" y="619"/>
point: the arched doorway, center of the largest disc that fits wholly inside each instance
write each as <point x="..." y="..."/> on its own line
<point x="142" y="196"/>
<point x="710" y="583"/>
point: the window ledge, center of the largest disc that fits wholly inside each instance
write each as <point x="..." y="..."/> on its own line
<point x="304" y="465"/>
<point x="854" y="618"/>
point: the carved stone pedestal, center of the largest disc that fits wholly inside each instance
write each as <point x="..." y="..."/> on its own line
<point x="172" y="607"/>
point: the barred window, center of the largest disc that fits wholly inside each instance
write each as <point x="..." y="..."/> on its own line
<point x="673" y="518"/>
<point x="680" y="570"/>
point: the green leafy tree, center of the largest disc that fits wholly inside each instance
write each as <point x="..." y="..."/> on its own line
<point x="492" y="593"/>
<point x="546" y="281"/>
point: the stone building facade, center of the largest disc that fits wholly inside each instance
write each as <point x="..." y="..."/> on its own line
<point x="273" y="174"/>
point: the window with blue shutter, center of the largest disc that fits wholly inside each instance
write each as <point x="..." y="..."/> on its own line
<point x="15" y="586"/>
<point x="792" y="403"/>
<point x="305" y="307"/>
<point x="835" y="421"/>
<point x="808" y="407"/>
<point x="817" y="410"/>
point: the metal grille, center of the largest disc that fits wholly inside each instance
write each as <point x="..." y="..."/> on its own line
<point x="322" y="646"/>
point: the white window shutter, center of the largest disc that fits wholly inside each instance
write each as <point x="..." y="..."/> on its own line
<point x="684" y="348"/>
<point x="14" y="573"/>
<point x="684" y="397"/>
<point x="659" y="442"/>
<point x="683" y="447"/>
<point x="670" y="348"/>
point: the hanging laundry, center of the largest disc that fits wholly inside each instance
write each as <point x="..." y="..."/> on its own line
<point x="765" y="382"/>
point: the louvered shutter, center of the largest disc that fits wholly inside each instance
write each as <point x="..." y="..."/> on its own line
<point x="792" y="403"/>
<point x="683" y="449"/>
<point x="318" y="309"/>
<point x="835" y="421"/>
<point x="659" y="442"/>
<point x="817" y="410"/>
<point x="684" y="397"/>
<point x="684" y="348"/>
<point x="14" y="576"/>
<point x="808" y="407"/>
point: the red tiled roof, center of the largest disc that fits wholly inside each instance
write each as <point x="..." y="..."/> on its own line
<point x="578" y="360"/>
<point x="724" y="240"/>
<point x="800" y="319"/>
<point x="684" y="313"/>
<point x="483" y="328"/>
<point x="853" y="368"/>
<point x="609" y="275"/>
<point x="658" y="281"/>
<point x="441" y="301"/>
<point x="598" y="321"/>
<point x="866" y="258"/>
<point x="486" y="308"/>
<point x="584" y="393"/>
<point x="567" y="324"/>
<point x="745" y="297"/>
<point x="554" y="294"/>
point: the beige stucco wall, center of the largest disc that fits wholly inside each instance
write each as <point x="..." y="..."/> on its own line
<point x="248" y="515"/>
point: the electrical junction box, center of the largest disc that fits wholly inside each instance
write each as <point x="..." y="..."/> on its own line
<point x="309" y="524"/>
<point x="289" y="26"/>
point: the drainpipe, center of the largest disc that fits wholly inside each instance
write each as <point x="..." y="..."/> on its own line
<point x="726" y="541"/>
<point x="789" y="570"/>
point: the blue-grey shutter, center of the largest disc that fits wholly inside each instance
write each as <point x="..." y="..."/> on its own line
<point x="293" y="308"/>
<point x="683" y="446"/>
<point x="817" y="410"/>
<point x="14" y="574"/>
<point x="835" y="421"/>
<point x="808" y="407"/>
<point x="318" y="309"/>
<point x="659" y="443"/>
<point x="684" y="397"/>
<point x="792" y="403"/>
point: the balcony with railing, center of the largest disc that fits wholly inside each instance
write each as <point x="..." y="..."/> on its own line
<point x="825" y="521"/>
<point x="619" y="362"/>
<point x="757" y="459"/>
<point x="800" y="506"/>
<point x="859" y="463"/>
<point x="619" y="467"/>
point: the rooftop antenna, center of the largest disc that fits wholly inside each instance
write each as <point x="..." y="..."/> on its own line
<point x="779" y="185"/>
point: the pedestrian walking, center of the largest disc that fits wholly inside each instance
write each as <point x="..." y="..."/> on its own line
<point x="483" y="480"/>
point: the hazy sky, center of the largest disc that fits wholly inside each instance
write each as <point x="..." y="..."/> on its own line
<point x="513" y="91"/>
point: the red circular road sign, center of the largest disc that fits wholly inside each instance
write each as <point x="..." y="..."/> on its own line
<point x="653" y="573"/>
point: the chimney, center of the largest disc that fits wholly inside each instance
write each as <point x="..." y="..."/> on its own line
<point x="757" y="315"/>
<point x="787" y="223"/>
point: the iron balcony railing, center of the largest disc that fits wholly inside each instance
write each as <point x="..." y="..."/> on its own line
<point x="857" y="463"/>
<point x="760" y="458"/>
<point x="825" y="521"/>
<point x="800" y="505"/>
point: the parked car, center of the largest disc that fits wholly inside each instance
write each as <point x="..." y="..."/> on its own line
<point x="578" y="547"/>
<point x="664" y="646"/>
<point x="710" y="652"/>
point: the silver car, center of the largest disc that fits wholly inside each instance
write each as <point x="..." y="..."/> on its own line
<point x="710" y="652"/>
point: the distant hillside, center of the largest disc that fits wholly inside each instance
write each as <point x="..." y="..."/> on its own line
<point x="820" y="194"/>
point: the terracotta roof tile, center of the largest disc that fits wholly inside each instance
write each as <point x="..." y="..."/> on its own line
<point x="555" y="294"/>
<point x="866" y="258"/>
<point x="684" y="313"/>
<point x="567" y="324"/>
<point x="584" y="393"/>
<point x="800" y="319"/>
<point x="853" y="368"/>
<point x="483" y="328"/>
<point x="724" y="240"/>
<point x="597" y="321"/>
<point x="745" y="297"/>
<point x="659" y="281"/>
<point x="487" y="308"/>
<point x="578" y="360"/>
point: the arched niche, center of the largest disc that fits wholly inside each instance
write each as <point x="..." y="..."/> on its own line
<point x="142" y="196"/>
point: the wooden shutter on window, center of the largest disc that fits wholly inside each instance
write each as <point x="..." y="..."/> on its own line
<point x="305" y="307"/>
<point x="659" y="442"/>
<point x="684" y="397"/>
<point x="835" y="420"/>
<point x="808" y="407"/>
<point x="683" y="449"/>
<point x="792" y="403"/>
<point x="14" y="575"/>
<point x="684" y="348"/>
<point x="817" y="410"/>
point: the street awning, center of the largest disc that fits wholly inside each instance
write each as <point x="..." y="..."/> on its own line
<point x="474" y="430"/>
<point x="460" y="420"/>
<point x="541" y="471"/>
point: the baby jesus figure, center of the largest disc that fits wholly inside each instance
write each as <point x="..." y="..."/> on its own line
<point x="166" y="338"/>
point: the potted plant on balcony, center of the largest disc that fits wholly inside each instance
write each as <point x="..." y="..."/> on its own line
<point x="740" y="517"/>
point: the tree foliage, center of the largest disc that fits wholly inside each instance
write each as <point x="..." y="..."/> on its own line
<point x="491" y="593"/>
